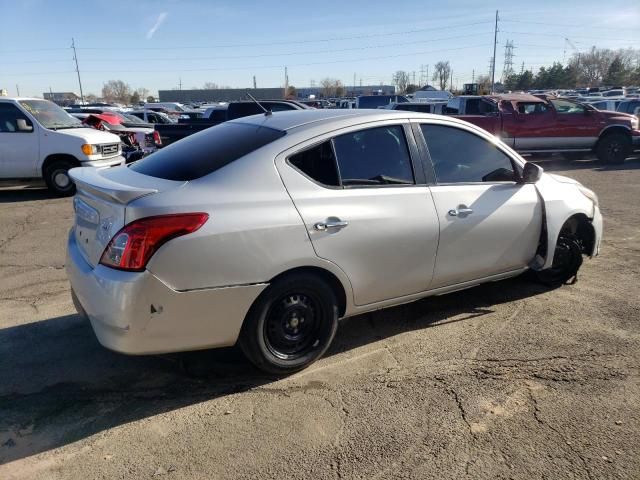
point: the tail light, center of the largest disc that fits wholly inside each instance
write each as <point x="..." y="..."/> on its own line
<point x="156" y="138"/>
<point x="132" y="247"/>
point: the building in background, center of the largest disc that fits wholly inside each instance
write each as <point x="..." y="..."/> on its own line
<point x="349" y="91"/>
<point x="3" y="92"/>
<point x="62" y="98"/>
<point x="219" y="95"/>
<point x="235" y="94"/>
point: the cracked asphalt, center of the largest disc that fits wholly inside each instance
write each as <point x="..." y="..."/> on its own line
<point x="508" y="380"/>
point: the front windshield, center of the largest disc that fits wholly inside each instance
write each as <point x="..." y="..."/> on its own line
<point x="132" y="118"/>
<point x="50" y="115"/>
<point x="166" y="118"/>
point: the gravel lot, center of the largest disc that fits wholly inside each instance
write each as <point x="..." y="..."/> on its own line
<point x="507" y="380"/>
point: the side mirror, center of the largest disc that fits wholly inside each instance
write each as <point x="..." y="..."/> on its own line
<point x="24" y="125"/>
<point x="531" y="173"/>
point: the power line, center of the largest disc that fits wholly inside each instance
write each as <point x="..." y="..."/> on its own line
<point x="350" y="60"/>
<point x="566" y="25"/>
<point x="233" y="57"/>
<point x="289" y="42"/>
<point x="601" y="38"/>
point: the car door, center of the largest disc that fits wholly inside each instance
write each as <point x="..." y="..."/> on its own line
<point x="489" y="223"/>
<point x="576" y="125"/>
<point x="19" y="149"/>
<point x="363" y="199"/>
<point x="532" y="126"/>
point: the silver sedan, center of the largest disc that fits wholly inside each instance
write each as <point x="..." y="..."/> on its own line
<point x="266" y="230"/>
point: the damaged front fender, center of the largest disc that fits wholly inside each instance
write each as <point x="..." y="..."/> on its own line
<point x="566" y="207"/>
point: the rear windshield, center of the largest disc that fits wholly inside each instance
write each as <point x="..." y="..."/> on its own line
<point x="205" y="152"/>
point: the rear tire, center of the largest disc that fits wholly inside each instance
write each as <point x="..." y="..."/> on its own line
<point x="57" y="178"/>
<point x="290" y="325"/>
<point x="567" y="260"/>
<point x="614" y="148"/>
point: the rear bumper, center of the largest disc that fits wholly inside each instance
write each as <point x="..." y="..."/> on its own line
<point x="135" y="313"/>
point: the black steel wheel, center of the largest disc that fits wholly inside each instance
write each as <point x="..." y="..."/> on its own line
<point x="291" y="324"/>
<point x="614" y="148"/>
<point x="567" y="259"/>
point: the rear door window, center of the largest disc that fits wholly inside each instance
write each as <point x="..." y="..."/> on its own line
<point x="318" y="163"/>
<point x="205" y="152"/>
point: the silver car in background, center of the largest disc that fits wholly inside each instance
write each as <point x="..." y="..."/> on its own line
<point x="268" y="229"/>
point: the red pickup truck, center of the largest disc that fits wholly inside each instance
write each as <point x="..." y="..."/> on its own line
<point x="531" y="124"/>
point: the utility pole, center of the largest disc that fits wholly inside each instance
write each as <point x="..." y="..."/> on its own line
<point x="414" y="77"/>
<point x="473" y="76"/>
<point x="522" y="69"/>
<point x="451" y="78"/>
<point x="254" y="82"/>
<point x="180" y="83"/>
<point x="493" y="64"/>
<point x="427" y="73"/>
<point x="18" y="89"/>
<point x="286" y="81"/>
<point x="75" y="59"/>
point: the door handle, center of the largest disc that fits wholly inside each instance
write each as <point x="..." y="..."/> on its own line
<point x="330" y="225"/>
<point x="454" y="212"/>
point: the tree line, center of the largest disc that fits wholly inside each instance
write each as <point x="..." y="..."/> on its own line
<point x="595" y="68"/>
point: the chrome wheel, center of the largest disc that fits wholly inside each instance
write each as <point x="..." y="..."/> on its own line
<point x="61" y="179"/>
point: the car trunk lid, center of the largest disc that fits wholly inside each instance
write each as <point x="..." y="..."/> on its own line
<point x="100" y="204"/>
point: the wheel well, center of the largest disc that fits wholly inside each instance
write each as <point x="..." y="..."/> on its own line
<point x="580" y="226"/>
<point x="328" y="277"/>
<point x="57" y="157"/>
<point x="611" y="130"/>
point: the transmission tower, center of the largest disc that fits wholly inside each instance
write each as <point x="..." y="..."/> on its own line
<point x="507" y="69"/>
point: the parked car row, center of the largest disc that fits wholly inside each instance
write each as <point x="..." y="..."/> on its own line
<point x="528" y="123"/>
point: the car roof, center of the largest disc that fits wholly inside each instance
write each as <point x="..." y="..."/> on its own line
<point x="17" y="99"/>
<point x="294" y="119"/>
<point x="517" y="97"/>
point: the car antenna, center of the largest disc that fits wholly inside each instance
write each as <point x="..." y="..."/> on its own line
<point x="266" y="112"/>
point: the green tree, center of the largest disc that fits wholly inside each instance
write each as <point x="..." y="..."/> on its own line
<point x="525" y="81"/>
<point x="135" y="98"/>
<point x="616" y="73"/>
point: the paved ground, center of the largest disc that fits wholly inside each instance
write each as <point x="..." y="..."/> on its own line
<point x="507" y="380"/>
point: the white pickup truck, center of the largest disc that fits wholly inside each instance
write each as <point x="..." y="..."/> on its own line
<point x="38" y="139"/>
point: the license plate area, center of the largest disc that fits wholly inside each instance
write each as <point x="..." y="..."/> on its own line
<point x="87" y="219"/>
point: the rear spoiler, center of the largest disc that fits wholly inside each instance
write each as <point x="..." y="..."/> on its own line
<point x="94" y="181"/>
